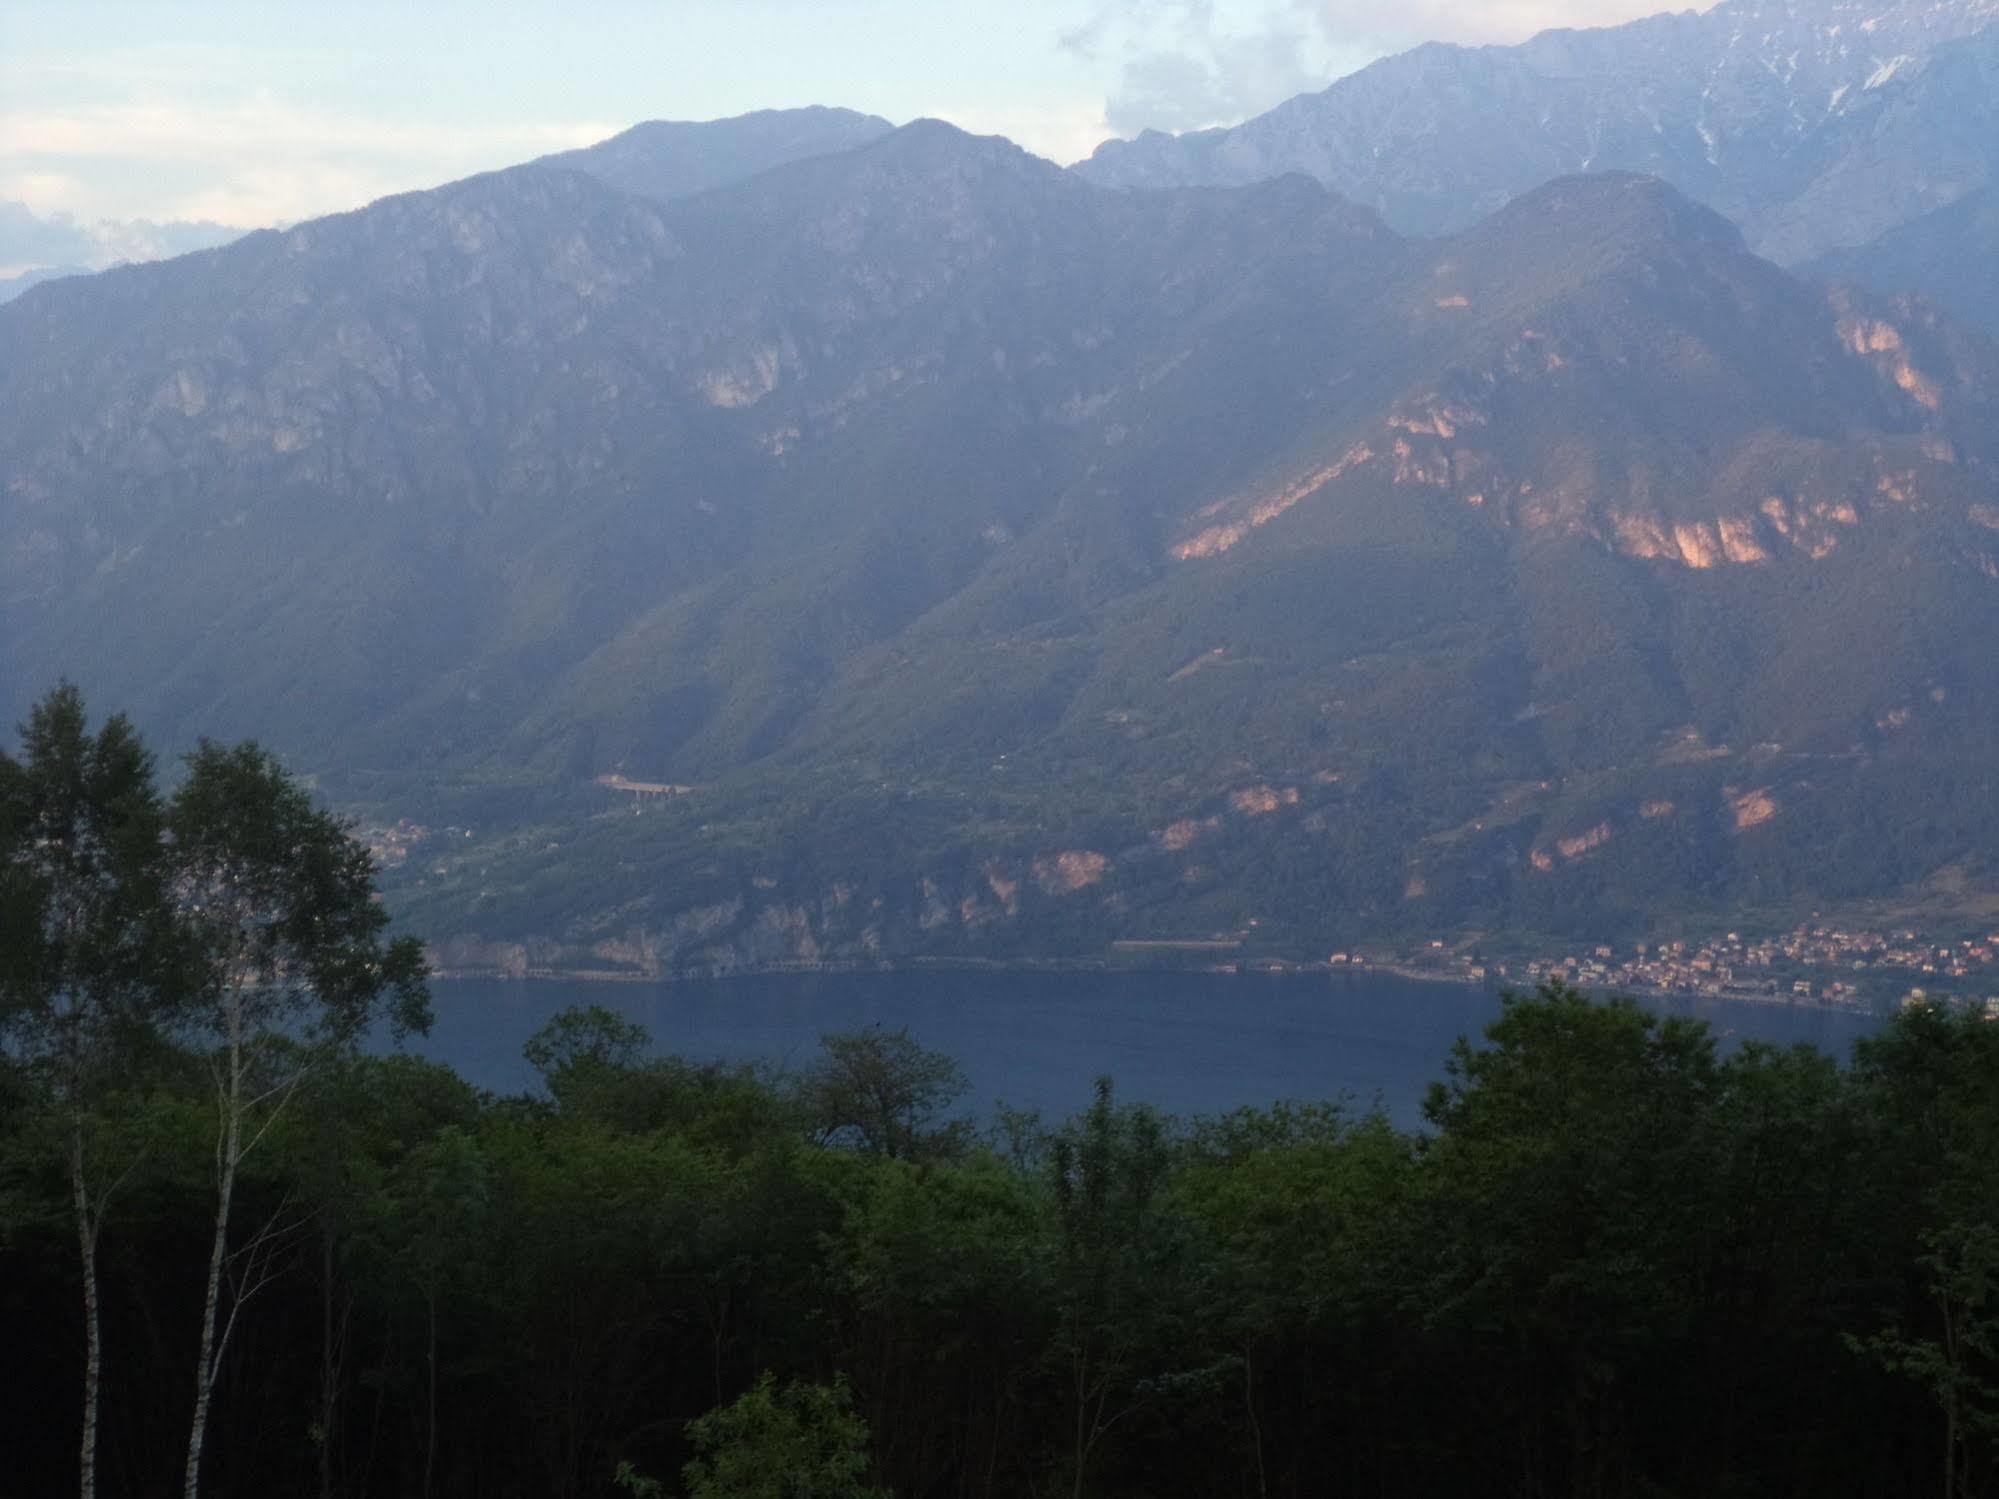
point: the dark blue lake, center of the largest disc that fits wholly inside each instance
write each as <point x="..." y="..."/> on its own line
<point x="1188" y="1043"/>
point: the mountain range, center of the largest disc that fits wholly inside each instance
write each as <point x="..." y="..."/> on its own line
<point x="36" y="247"/>
<point x="796" y="540"/>
<point x="1818" y="126"/>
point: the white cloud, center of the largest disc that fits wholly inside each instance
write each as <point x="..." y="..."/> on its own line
<point x="1186" y="64"/>
<point x="265" y="127"/>
<point x="44" y="192"/>
<point x="1062" y="132"/>
<point x="1403" y="23"/>
<point x="262" y="195"/>
<point x="31" y="240"/>
<point x="252" y="162"/>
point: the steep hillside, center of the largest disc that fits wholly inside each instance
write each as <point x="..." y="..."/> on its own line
<point x="666" y="159"/>
<point x="512" y="425"/>
<point x="1011" y="566"/>
<point x="1815" y="124"/>
<point x="12" y="286"/>
<point x="1950" y="256"/>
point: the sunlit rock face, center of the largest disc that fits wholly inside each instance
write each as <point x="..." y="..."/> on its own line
<point x="1946" y="255"/>
<point x="915" y="549"/>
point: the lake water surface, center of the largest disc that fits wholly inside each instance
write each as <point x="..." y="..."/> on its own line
<point x="1188" y="1043"/>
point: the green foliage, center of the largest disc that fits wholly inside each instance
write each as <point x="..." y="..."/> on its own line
<point x="278" y="899"/>
<point x="902" y="635"/>
<point x="86" y="935"/>
<point x="1563" y="1143"/>
<point x="1298" y="1209"/>
<point x="585" y="1037"/>
<point x="795" y="1441"/>
<point x="1959" y="1364"/>
<point x="883" y="1093"/>
<point x="1617" y="1260"/>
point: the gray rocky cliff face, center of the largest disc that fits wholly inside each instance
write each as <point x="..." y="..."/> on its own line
<point x="1814" y="124"/>
<point x="923" y="525"/>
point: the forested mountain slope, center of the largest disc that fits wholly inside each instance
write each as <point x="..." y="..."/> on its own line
<point x="1014" y="565"/>
<point x="1950" y="255"/>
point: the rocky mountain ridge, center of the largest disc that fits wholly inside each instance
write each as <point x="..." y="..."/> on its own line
<point x="994" y="564"/>
<point x="1947" y="256"/>
<point x="668" y="159"/>
<point x="1817" y="125"/>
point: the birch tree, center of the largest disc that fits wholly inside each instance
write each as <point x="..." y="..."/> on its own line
<point x="278" y="901"/>
<point x="82" y="937"/>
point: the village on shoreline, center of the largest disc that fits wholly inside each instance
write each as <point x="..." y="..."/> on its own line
<point x="1830" y="967"/>
<point x="1834" y="966"/>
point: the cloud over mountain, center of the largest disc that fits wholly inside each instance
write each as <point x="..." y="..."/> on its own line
<point x="1187" y="64"/>
<point x="1405" y="22"/>
<point x="30" y="241"/>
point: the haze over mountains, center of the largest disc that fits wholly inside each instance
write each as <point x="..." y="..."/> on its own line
<point x="1816" y="125"/>
<point x="36" y="248"/>
<point x="1014" y="564"/>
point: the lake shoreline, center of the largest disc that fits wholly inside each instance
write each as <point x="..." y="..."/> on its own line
<point x="1189" y="1043"/>
<point x="1272" y="968"/>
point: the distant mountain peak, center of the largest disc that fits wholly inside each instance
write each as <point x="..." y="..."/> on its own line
<point x="1861" y="17"/>
<point x="1633" y="203"/>
<point x="1015" y="565"/>
<point x="1814" y="124"/>
<point x="667" y="159"/>
<point x="932" y="142"/>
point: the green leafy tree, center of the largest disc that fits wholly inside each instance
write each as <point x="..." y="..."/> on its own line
<point x="357" y="1125"/>
<point x="590" y="1266"/>
<point x="83" y="937"/>
<point x="1297" y="1209"/>
<point x="581" y="1044"/>
<point x="1959" y="1366"/>
<point x="1568" y="1199"/>
<point x="1113" y="1253"/>
<point x="885" y="1094"/>
<point x="278" y="902"/>
<point x="440" y="1204"/>
<point x="941" y="1276"/>
<point x="1930" y="1087"/>
<point x="792" y="1441"/>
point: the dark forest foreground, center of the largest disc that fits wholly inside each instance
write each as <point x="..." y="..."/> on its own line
<point x="1613" y="1264"/>
<point x="240" y="1257"/>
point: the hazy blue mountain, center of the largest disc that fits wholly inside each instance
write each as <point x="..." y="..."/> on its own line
<point x="1013" y="565"/>
<point x="12" y="286"/>
<point x="1950" y="255"/>
<point x="43" y="246"/>
<point x="1814" y="124"/>
<point x="673" y="158"/>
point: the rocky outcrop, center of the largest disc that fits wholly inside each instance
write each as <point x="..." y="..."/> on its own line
<point x="1815" y="126"/>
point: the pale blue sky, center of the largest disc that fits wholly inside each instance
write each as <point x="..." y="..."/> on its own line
<point x="254" y="113"/>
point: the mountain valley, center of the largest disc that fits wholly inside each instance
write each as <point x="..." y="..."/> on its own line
<point x="799" y="540"/>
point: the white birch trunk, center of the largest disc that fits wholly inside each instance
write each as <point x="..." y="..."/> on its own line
<point x="93" y="1351"/>
<point x="228" y="1151"/>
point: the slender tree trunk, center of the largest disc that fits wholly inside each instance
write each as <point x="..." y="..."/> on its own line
<point x="1000" y="1402"/>
<point x="93" y="1351"/>
<point x="228" y="1151"/>
<point x="1082" y="1407"/>
<point x="1950" y="1485"/>
<point x="1255" y="1426"/>
<point x="430" y="1443"/>
<point x="389" y="1349"/>
<point x="332" y="1353"/>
